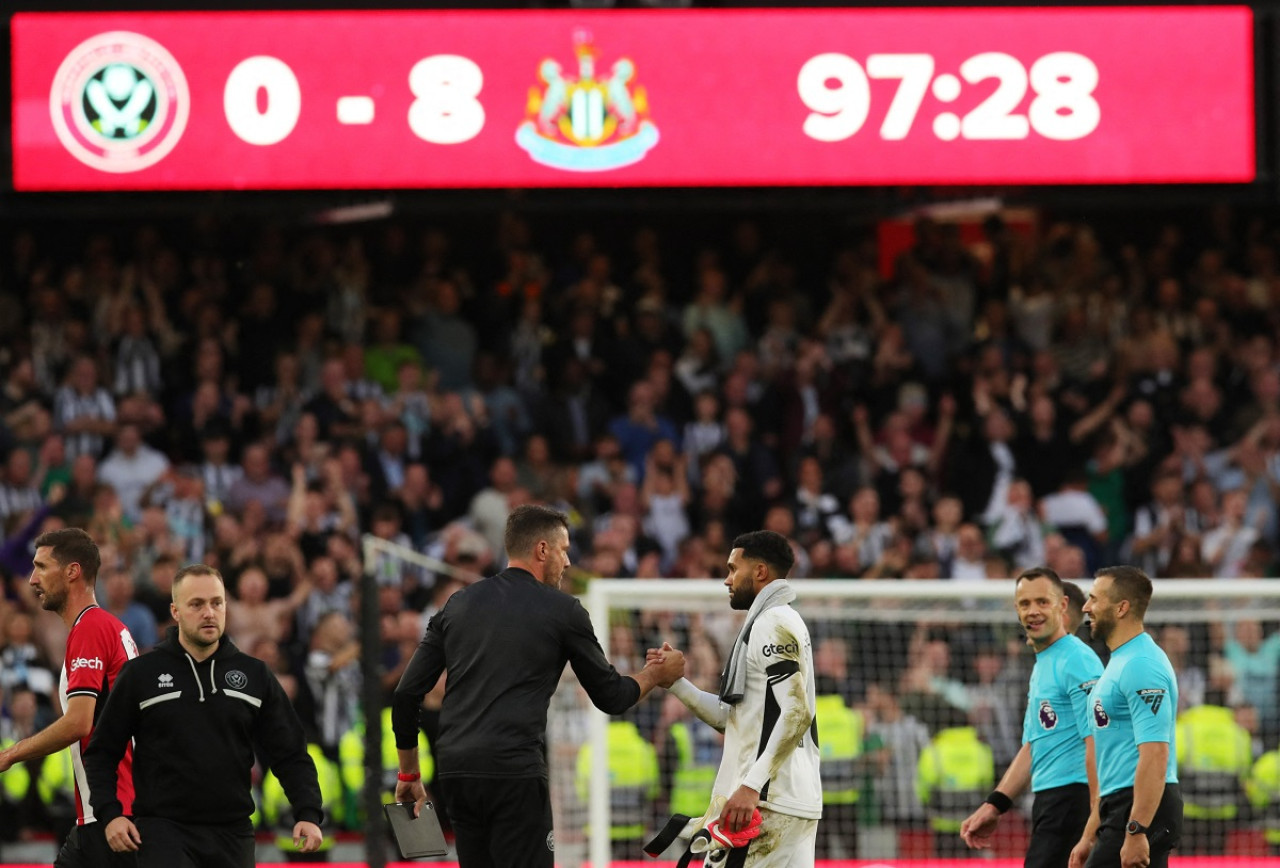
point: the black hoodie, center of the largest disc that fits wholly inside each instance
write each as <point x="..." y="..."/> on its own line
<point x="195" y="727"/>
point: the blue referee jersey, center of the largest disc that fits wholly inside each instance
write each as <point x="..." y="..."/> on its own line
<point x="1057" y="719"/>
<point x="1134" y="702"/>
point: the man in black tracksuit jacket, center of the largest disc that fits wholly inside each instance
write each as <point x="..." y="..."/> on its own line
<point x="196" y="707"/>
<point x="505" y="641"/>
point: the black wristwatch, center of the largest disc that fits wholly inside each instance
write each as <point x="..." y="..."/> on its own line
<point x="1135" y="828"/>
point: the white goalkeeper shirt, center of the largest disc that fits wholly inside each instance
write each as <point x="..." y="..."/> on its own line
<point x="770" y="737"/>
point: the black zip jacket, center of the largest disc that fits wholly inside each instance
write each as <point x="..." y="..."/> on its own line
<point x="505" y="641"/>
<point x="195" y="726"/>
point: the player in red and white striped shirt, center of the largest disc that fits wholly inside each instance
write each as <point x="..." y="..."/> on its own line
<point x="63" y="575"/>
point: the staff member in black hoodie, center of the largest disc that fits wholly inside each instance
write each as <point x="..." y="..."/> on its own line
<point x="195" y="707"/>
<point x="505" y="641"/>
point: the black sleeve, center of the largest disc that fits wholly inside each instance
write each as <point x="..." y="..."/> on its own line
<point x="610" y="692"/>
<point x="419" y="677"/>
<point x="113" y="729"/>
<point x="279" y="732"/>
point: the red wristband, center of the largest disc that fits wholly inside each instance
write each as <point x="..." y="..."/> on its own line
<point x="408" y="778"/>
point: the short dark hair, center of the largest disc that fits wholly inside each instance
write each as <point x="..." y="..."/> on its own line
<point x="195" y="570"/>
<point x="71" y="545"/>
<point x="530" y="524"/>
<point x="1129" y="583"/>
<point x="1042" y="573"/>
<point x="1075" y="596"/>
<point x="769" y="547"/>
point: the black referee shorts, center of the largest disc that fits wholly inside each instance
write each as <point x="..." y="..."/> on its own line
<point x="502" y="822"/>
<point x="1058" y="818"/>
<point x="1164" y="835"/>
<point x="86" y="847"/>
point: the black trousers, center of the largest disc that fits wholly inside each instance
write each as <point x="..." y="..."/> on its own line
<point x="166" y="844"/>
<point x="1164" y="835"/>
<point x="502" y="822"/>
<point x="1058" y="818"/>
<point x="86" y="847"/>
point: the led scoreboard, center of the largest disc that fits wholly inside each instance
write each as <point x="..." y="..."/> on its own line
<point x="419" y="99"/>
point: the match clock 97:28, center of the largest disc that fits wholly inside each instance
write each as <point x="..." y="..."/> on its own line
<point x="836" y="89"/>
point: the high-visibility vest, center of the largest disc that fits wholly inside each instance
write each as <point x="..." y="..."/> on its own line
<point x="1214" y="755"/>
<point x="277" y="812"/>
<point x="16" y="782"/>
<point x="693" y="780"/>
<point x="841" y="731"/>
<point x="633" y="779"/>
<point x="351" y="764"/>
<point x="955" y="773"/>
<point x="1263" y="787"/>
<point x="57" y="781"/>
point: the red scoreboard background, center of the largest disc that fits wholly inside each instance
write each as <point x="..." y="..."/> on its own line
<point x="274" y="100"/>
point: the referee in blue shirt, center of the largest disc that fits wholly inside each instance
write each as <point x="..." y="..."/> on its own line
<point x="1056" y="759"/>
<point x="1134" y="706"/>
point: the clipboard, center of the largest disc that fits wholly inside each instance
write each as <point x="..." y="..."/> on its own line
<point x="416" y="837"/>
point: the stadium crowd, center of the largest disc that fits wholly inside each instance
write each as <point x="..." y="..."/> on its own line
<point x="256" y="398"/>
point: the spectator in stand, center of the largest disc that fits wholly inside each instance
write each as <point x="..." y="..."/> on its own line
<point x="336" y="411"/>
<point x="333" y="678"/>
<point x="1075" y="514"/>
<point x="259" y="483"/>
<point x="84" y="411"/>
<point x="217" y="471"/>
<point x="641" y="427"/>
<point x="862" y="527"/>
<point x="19" y="495"/>
<point x="969" y="563"/>
<point x="1018" y="533"/>
<point x="985" y="466"/>
<point x="119" y="601"/>
<point x="715" y="310"/>
<point x="252" y="616"/>
<point x="1226" y="546"/>
<point x="130" y="468"/>
<point x="1158" y="523"/>
<point x="387" y="352"/>
<point x="444" y="337"/>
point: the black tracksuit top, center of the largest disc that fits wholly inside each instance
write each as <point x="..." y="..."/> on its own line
<point x="505" y="641"/>
<point x="195" y="727"/>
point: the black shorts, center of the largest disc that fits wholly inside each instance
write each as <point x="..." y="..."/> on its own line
<point x="86" y="847"/>
<point x="166" y="844"/>
<point x="502" y="822"/>
<point x="1164" y="835"/>
<point x="1058" y="818"/>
